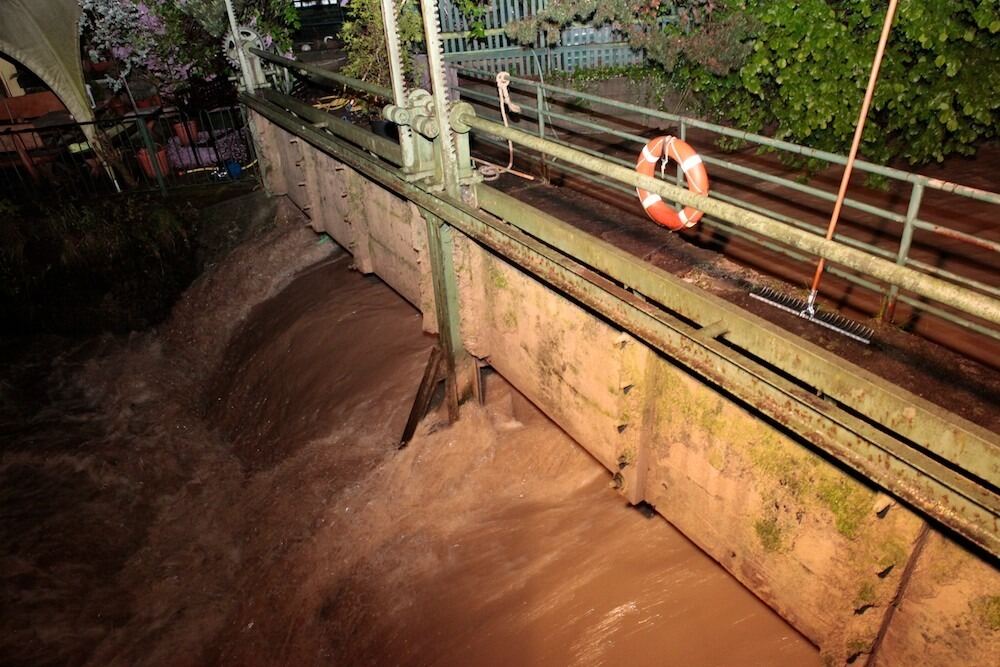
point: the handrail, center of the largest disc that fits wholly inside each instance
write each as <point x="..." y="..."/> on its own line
<point x="976" y="304"/>
<point x="324" y="74"/>
<point x="725" y="164"/>
<point x="862" y="165"/>
<point x="897" y="275"/>
<point x="909" y="221"/>
<point x="381" y="146"/>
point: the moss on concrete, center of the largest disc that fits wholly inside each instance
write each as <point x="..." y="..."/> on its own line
<point x="771" y="455"/>
<point x="865" y="595"/>
<point x="986" y="609"/>
<point x="769" y="533"/>
<point x="893" y="554"/>
<point x="497" y="278"/>
<point x="847" y="500"/>
<point x="717" y="457"/>
<point x="857" y="645"/>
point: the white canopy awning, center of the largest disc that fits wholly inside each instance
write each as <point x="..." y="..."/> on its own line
<point x="44" y="36"/>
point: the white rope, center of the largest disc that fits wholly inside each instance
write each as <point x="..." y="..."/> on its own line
<point x="490" y="171"/>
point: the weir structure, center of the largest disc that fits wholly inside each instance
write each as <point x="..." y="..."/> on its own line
<point x="863" y="514"/>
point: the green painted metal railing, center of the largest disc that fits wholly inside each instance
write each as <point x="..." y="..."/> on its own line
<point x="545" y="118"/>
<point x="869" y="424"/>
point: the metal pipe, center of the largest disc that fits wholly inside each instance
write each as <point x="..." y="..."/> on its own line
<point x="325" y="75"/>
<point x="912" y="209"/>
<point x="908" y="279"/>
<point x="855" y="144"/>
<point x="718" y="162"/>
<point x="540" y="118"/>
<point x="846" y="240"/>
<point x="985" y="244"/>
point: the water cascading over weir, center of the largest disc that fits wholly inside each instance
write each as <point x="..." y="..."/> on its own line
<point x="846" y="502"/>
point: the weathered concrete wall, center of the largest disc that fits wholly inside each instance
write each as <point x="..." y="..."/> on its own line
<point x="803" y="535"/>
<point x="827" y="551"/>
<point x="949" y="613"/>
<point x="385" y="234"/>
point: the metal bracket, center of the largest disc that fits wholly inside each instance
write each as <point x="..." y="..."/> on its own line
<point x="419" y="115"/>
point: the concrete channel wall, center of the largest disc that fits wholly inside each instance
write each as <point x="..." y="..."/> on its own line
<point x="853" y="570"/>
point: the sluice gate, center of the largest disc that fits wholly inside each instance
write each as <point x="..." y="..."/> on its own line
<point x="851" y="506"/>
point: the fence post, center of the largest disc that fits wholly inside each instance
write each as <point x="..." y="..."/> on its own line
<point x="154" y="160"/>
<point x="682" y="131"/>
<point x="683" y="137"/>
<point x="22" y="153"/>
<point x="912" y="210"/>
<point x="540" y="105"/>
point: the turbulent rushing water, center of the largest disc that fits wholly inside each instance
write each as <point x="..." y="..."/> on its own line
<point x="226" y="491"/>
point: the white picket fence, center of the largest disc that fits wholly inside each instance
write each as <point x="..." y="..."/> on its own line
<point x="579" y="47"/>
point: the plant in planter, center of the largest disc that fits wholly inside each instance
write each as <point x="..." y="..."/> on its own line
<point x="149" y="167"/>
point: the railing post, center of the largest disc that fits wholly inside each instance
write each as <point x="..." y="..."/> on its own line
<point x="25" y="157"/>
<point x="540" y="104"/>
<point x="905" y="241"/>
<point x="682" y="137"/>
<point x="154" y="160"/>
<point x="682" y="131"/>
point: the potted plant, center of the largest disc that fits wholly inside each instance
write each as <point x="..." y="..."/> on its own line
<point x="146" y="162"/>
<point x="186" y="132"/>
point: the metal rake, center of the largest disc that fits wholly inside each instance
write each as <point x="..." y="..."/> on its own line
<point x="808" y="311"/>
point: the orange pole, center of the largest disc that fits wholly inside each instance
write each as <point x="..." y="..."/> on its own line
<point x="858" y="131"/>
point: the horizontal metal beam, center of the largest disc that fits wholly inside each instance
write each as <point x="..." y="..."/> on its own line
<point x="961" y="503"/>
<point x="979" y="305"/>
<point x="381" y="146"/>
<point x="324" y="75"/>
<point x="931" y="427"/>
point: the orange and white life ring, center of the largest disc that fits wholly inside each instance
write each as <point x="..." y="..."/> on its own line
<point x="671" y="148"/>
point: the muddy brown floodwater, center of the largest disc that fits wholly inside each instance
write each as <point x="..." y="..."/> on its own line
<point x="227" y="491"/>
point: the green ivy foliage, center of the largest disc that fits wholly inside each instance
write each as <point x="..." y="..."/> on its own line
<point x="798" y="68"/>
<point x="364" y="39"/>
<point x="475" y="12"/>
<point x="810" y="61"/>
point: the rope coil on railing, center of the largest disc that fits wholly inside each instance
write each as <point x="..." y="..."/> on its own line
<point x="490" y="171"/>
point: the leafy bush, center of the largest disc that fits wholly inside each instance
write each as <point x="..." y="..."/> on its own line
<point x="364" y="40"/>
<point x="798" y="68"/>
<point x="807" y="73"/>
<point x="176" y="42"/>
<point x="80" y="267"/>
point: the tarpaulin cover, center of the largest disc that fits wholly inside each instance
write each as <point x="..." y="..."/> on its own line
<point x="44" y="36"/>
